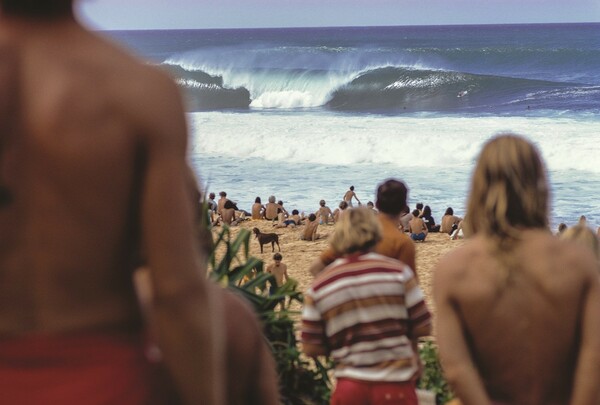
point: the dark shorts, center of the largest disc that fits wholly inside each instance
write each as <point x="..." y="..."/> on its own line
<point x="289" y="222"/>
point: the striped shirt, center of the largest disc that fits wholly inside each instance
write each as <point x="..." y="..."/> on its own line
<point x="362" y="308"/>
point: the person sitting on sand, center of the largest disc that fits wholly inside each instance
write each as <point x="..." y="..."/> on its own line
<point x="292" y="221"/>
<point x="449" y="221"/>
<point x="310" y="230"/>
<point x="228" y="214"/>
<point x="419" y="207"/>
<point x="258" y="209"/>
<point x="363" y="311"/>
<point x="272" y="209"/>
<point x="517" y="309"/>
<point x="405" y="217"/>
<point x="221" y="202"/>
<point x="324" y="213"/>
<point x="349" y="195"/>
<point x="339" y="211"/>
<point x="429" y="220"/>
<point x="417" y="227"/>
<point x="371" y="206"/>
<point x="281" y="212"/>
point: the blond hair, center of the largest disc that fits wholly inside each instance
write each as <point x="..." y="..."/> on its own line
<point x="358" y="230"/>
<point x="583" y="236"/>
<point x="509" y="190"/>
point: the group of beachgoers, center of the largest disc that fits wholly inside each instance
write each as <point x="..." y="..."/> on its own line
<point x="105" y="297"/>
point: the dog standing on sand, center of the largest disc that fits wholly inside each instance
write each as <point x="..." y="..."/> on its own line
<point x="265" y="238"/>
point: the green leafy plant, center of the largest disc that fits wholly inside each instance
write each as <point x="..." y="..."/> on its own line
<point x="432" y="378"/>
<point x="302" y="380"/>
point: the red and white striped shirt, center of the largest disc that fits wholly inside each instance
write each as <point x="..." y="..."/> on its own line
<point x="362" y="308"/>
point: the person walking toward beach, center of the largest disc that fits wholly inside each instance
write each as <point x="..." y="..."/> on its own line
<point x="349" y="195"/>
<point x="364" y="310"/>
<point x="92" y="158"/>
<point x="391" y="202"/>
<point x="518" y="310"/>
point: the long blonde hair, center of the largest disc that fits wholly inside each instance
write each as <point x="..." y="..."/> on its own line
<point x="509" y="190"/>
<point x="358" y="230"/>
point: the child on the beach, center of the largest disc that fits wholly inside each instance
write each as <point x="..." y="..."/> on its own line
<point x="279" y="272"/>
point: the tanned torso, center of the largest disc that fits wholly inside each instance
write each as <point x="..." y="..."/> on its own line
<point x="70" y="165"/>
<point x="523" y="332"/>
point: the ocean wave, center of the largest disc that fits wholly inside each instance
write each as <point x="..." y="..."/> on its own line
<point x="387" y="89"/>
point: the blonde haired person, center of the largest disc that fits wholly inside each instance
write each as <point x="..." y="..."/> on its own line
<point x="363" y="310"/>
<point x="518" y="309"/>
<point x="583" y="236"/>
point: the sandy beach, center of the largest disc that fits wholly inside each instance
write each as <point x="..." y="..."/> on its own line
<point x="299" y="254"/>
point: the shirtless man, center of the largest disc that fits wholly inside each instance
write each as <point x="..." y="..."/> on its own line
<point x="324" y="213"/>
<point x="350" y="194"/>
<point x="92" y="159"/>
<point x="272" y="209"/>
<point x="518" y="310"/>
<point x="279" y="271"/>
<point x="221" y="202"/>
<point x="417" y="227"/>
<point x="449" y="221"/>
<point x="310" y="230"/>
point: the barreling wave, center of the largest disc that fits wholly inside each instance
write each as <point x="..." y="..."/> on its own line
<point x="386" y="89"/>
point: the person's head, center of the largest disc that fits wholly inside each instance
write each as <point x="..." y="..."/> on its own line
<point x="426" y="211"/>
<point x="562" y="227"/>
<point x="351" y="188"/>
<point x="280" y="202"/>
<point x="223" y="194"/>
<point x="277" y="257"/>
<point x="582" y="220"/>
<point x="211" y="196"/>
<point x="312" y="217"/>
<point x="449" y="211"/>
<point x="357" y="231"/>
<point x="419" y="206"/>
<point x="272" y="199"/>
<point x="39" y="9"/>
<point x="322" y="203"/>
<point x="416" y="212"/>
<point x="370" y="204"/>
<point x="343" y="205"/>
<point x="295" y="212"/>
<point x="509" y="190"/>
<point x="583" y="236"/>
<point x="391" y="197"/>
<point x="257" y="200"/>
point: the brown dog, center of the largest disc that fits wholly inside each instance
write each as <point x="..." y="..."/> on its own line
<point x="264" y="238"/>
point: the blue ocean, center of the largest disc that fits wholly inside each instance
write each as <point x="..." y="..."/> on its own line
<point x="303" y="113"/>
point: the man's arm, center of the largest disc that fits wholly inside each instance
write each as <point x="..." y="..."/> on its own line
<point x="587" y="373"/>
<point x="180" y="306"/>
<point x="455" y="357"/>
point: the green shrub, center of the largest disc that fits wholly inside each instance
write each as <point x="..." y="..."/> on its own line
<point x="302" y="381"/>
<point x="432" y="378"/>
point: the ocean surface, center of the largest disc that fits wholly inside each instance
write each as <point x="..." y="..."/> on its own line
<point x="303" y="113"/>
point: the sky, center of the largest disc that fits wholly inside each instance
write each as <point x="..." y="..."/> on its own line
<point x="199" y="14"/>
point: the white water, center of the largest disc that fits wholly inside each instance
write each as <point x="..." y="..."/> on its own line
<point x="303" y="157"/>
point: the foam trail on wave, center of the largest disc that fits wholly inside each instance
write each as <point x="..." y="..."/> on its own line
<point x="442" y="142"/>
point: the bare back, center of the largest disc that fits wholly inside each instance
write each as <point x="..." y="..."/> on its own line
<point x="522" y="328"/>
<point x="73" y="170"/>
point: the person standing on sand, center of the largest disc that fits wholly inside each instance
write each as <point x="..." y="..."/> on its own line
<point x="92" y="158"/>
<point x="518" y="310"/>
<point x="349" y="195"/>
<point x="391" y="202"/>
<point x="364" y="310"/>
